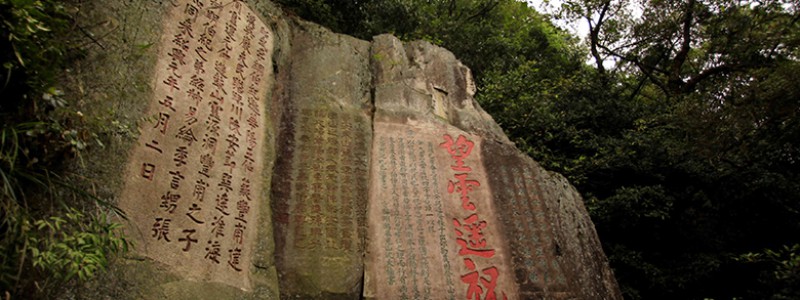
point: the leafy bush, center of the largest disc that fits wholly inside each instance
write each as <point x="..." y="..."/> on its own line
<point x="45" y="238"/>
<point x="73" y="245"/>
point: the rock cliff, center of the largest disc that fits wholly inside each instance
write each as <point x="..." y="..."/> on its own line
<point x="276" y="159"/>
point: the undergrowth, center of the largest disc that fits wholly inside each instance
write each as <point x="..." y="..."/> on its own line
<point x="53" y="230"/>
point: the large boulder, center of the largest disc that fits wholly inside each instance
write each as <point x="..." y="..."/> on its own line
<point x="276" y="159"/>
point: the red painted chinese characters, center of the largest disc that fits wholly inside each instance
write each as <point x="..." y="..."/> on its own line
<point x="473" y="246"/>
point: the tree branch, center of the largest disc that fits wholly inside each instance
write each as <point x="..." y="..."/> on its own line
<point x="675" y="80"/>
<point x="594" y="36"/>
<point x="647" y="70"/>
<point x="692" y="83"/>
<point x="483" y="10"/>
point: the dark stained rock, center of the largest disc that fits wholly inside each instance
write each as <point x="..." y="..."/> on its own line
<point x="320" y="186"/>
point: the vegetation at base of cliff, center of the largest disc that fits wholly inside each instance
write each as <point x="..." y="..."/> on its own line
<point x="53" y="230"/>
<point x="681" y="133"/>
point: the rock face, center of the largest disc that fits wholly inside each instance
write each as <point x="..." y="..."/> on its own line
<point x="320" y="192"/>
<point x="277" y="159"/>
<point x="455" y="210"/>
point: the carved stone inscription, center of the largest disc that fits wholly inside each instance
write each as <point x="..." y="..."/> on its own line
<point x="192" y="188"/>
<point x="531" y="237"/>
<point x="411" y="230"/>
<point x="433" y="234"/>
<point x="319" y="203"/>
<point x="328" y="189"/>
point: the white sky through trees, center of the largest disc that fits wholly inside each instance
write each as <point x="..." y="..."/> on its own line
<point x="550" y="7"/>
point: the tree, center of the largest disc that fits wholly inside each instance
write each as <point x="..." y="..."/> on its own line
<point x="707" y="171"/>
<point x="487" y="35"/>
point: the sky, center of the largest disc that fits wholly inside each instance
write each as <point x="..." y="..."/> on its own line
<point x="580" y="29"/>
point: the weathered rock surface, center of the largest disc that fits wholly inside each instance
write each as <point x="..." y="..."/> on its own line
<point x="454" y="204"/>
<point x="276" y="159"/>
<point x="319" y="195"/>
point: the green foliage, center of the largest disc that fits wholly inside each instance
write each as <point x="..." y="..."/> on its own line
<point x="487" y="35"/>
<point x="74" y="245"/>
<point x="51" y="231"/>
<point x="784" y="266"/>
<point x="57" y="249"/>
<point x="715" y="136"/>
<point x="29" y="58"/>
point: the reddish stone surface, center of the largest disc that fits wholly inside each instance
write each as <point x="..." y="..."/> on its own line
<point x="189" y="191"/>
<point x="455" y="210"/>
